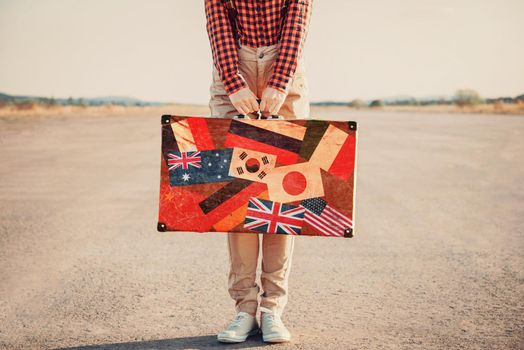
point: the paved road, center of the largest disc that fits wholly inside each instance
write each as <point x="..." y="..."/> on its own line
<point x="437" y="262"/>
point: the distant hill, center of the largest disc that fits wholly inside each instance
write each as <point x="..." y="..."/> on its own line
<point x="404" y="100"/>
<point x="96" y="101"/>
<point x="393" y="101"/>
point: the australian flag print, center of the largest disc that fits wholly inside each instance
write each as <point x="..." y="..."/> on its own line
<point x="199" y="167"/>
<point x="272" y="217"/>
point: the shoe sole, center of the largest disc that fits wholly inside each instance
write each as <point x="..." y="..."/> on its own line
<point x="239" y="340"/>
<point x="275" y="339"/>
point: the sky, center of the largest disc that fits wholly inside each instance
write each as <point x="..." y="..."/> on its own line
<point x="158" y="50"/>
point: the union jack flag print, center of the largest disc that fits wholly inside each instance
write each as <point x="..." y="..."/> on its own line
<point x="184" y="160"/>
<point x="272" y="217"/>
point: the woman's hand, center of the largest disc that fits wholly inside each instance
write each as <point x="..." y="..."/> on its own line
<point x="244" y="100"/>
<point x="272" y="100"/>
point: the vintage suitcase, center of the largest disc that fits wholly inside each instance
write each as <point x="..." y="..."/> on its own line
<point x="267" y="176"/>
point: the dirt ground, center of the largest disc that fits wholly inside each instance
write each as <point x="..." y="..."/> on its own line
<point x="437" y="261"/>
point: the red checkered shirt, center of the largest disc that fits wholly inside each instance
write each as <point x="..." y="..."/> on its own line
<point x="258" y="23"/>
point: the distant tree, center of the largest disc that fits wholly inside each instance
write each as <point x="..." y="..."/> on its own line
<point x="70" y="101"/>
<point x="411" y="101"/>
<point x="25" y="105"/>
<point x="499" y="107"/>
<point x="357" y="103"/>
<point x="376" y="103"/>
<point x="467" y="97"/>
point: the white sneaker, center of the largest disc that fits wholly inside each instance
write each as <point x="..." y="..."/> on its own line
<point x="273" y="329"/>
<point x="242" y="326"/>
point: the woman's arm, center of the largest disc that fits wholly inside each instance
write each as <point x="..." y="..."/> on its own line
<point x="293" y="36"/>
<point x="225" y="57"/>
<point x="223" y="46"/>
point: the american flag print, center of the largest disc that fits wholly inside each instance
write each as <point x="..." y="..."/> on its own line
<point x="273" y="217"/>
<point x="326" y="219"/>
<point x="184" y="160"/>
<point x="199" y="167"/>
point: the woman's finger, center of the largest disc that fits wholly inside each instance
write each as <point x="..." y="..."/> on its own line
<point x="273" y="107"/>
<point x="263" y="105"/>
<point x="277" y="107"/>
<point x="254" y="104"/>
<point x="246" y="107"/>
<point x="240" y="108"/>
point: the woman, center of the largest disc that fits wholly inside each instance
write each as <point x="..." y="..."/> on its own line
<point x="257" y="55"/>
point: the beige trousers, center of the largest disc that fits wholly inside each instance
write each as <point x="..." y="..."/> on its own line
<point x="256" y="66"/>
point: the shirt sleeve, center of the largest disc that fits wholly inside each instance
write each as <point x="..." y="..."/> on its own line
<point x="223" y="46"/>
<point x="293" y="36"/>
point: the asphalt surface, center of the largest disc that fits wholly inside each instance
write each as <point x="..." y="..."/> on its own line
<point x="437" y="261"/>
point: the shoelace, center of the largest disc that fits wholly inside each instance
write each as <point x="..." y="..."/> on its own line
<point x="272" y="320"/>
<point x="236" y="321"/>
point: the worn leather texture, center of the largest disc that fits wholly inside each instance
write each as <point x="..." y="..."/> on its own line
<point x="294" y="177"/>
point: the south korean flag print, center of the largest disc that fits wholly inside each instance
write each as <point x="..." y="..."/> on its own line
<point x="251" y="165"/>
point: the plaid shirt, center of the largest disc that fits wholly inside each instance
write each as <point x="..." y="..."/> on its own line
<point x="258" y="23"/>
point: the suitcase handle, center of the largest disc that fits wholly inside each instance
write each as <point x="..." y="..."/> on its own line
<point x="259" y="115"/>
